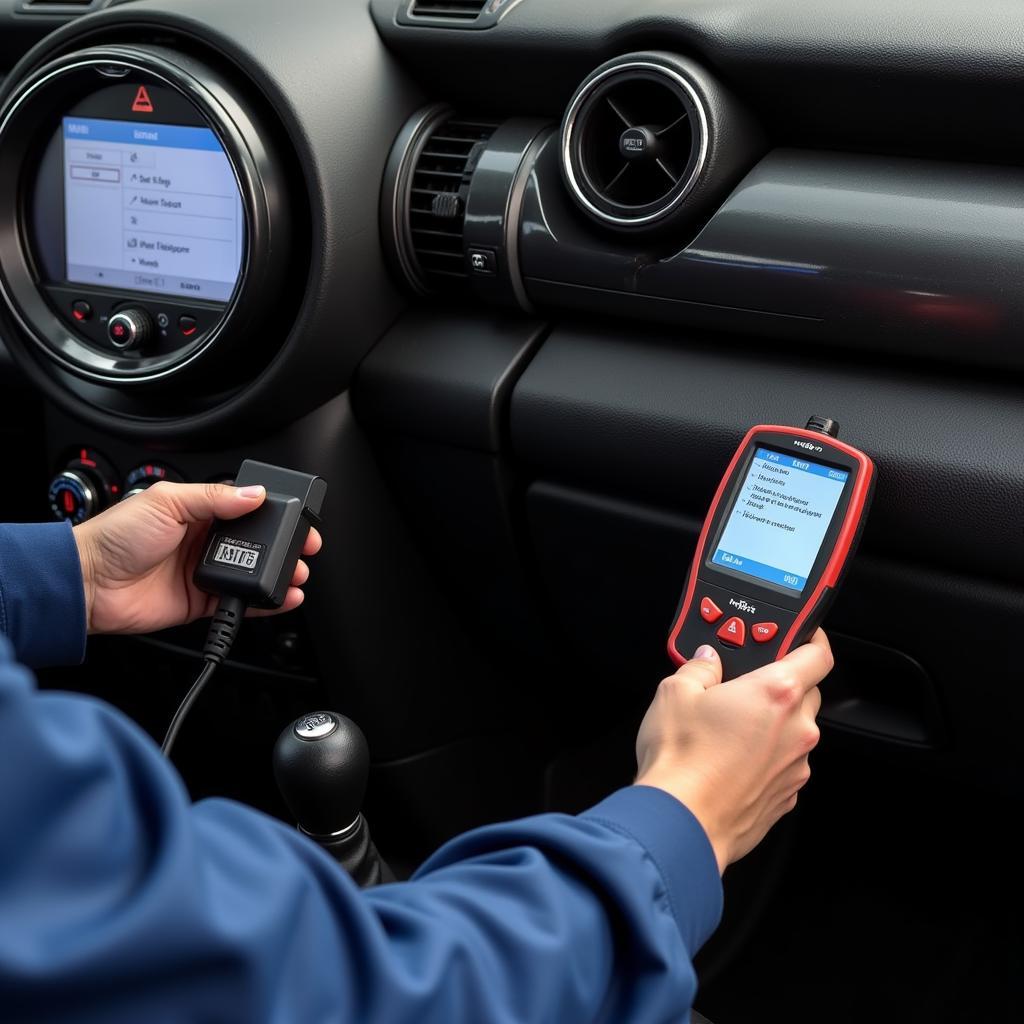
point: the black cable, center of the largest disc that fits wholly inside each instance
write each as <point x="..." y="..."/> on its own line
<point x="185" y="706"/>
<point x="219" y="638"/>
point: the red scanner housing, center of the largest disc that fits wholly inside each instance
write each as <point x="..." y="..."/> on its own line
<point x="752" y="620"/>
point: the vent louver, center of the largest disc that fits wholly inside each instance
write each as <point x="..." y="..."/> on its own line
<point x="55" y="6"/>
<point x="454" y="14"/>
<point x="633" y="143"/>
<point x="438" y="190"/>
<point x="459" y="10"/>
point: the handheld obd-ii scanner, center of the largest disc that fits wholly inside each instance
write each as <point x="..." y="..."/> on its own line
<point x="783" y="525"/>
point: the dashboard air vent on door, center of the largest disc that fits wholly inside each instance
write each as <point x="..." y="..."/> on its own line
<point x="634" y="142"/>
<point x="438" y="188"/>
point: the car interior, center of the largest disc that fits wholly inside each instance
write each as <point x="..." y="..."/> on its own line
<point x="515" y="277"/>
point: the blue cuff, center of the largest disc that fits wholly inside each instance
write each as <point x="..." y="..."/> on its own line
<point x="42" y="598"/>
<point x="679" y="847"/>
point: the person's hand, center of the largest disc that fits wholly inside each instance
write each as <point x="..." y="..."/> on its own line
<point x="138" y="557"/>
<point x="735" y="754"/>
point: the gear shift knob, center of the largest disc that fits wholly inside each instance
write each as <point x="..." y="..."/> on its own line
<point x="321" y="763"/>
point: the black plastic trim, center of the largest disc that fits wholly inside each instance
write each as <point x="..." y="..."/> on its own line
<point x="855" y="251"/>
<point x="494" y="208"/>
<point x="446" y="377"/>
<point x="658" y="417"/>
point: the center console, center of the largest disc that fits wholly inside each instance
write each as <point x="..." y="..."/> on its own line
<point x="149" y="225"/>
<point x="189" y="237"/>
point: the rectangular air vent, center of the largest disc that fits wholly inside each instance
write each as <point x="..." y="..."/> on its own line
<point x="437" y="197"/>
<point x="56" y="6"/>
<point x="467" y="10"/>
<point x="454" y="13"/>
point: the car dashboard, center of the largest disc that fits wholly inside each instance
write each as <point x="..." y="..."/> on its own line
<point x="515" y="277"/>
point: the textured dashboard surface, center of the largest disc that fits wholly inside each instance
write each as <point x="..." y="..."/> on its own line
<point x="920" y="257"/>
<point x="963" y="38"/>
<point x="916" y="75"/>
<point x="660" y="418"/>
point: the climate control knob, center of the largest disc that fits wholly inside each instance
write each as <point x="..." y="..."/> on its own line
<point x="82" y="489"/>
<point x="143" y="477"/>
<point x="73" y="497"/>
<point x="129" y="328"/>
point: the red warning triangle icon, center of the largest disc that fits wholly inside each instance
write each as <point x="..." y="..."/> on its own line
<point x="143" y="104"/>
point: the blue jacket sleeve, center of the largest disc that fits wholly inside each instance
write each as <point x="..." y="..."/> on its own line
<point x="42" y="603"/>
<point x="121" y="902"/>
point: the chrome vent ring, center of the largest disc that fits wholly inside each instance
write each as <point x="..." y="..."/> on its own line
<point x="634" y="142"/>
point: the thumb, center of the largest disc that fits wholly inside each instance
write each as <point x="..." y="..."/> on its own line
<point x="704" y="668"/>
<point x="197" y="503"/>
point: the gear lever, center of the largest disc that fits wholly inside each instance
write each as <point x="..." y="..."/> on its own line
<point x="321" y="763"/>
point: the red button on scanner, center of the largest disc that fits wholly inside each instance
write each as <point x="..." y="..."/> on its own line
<point x="762" y="632"/>
<point x="709" y="611"/>
<point x="734" y="631"/>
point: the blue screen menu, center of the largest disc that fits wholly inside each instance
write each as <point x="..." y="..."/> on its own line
<point x="781" y="515"/>
<point x="151" y="207"/>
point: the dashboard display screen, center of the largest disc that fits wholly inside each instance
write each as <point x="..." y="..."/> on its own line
<point x="150" y="207"/>
<point x="781" y="515"/>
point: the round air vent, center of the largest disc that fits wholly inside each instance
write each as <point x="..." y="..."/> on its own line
<point x="634" y="142"/>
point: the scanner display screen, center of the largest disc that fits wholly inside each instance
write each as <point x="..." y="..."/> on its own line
<point x="150" y="207"/>
<point x="780" y="517"/>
